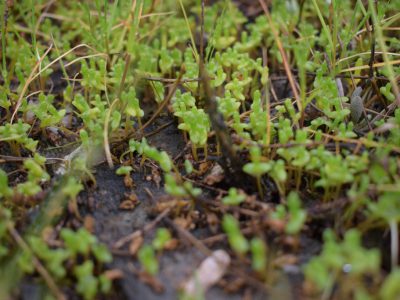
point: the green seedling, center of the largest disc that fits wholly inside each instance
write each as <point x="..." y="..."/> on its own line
<point x="158" y="90"/>
<point x="5" y="190"/>
<point x="259" y="255"/>
<point x="87" y="283"/>
<point x="188" y="167"/>
<point x="54" y="258"/>
<point x="258" y="119"/>
<point x="121" y="56"/>
<point x="93" y="75"/>
<point x="387" y="92"/>
<point x="36" y="175"/>
<point x="390" y="288"/>
<point x="79" y="242"/>
<point x="131" y="104"/>
<point x="196" y="122"/>
<point x="161" y="157"/>
<point x="46" y="112"/>
<point x="166" y="61"/>
<point x="257" y="167"/>
<point x="148" y="260"/>
<point x="174" y="188"/>
<point x="228" y="105"/>
<point x="236" y="239"/>
<point x="163" y="236"/>
<point x="17" y="133"/>
<point x="124" y="170"/>
<point x="233" y="197"/>
<point x="78" y="246"/>
<point x="72" y="188"/>
<point x="181" y="103"/>
<point x="293" y="215"/>
<point x="343" y="263"/>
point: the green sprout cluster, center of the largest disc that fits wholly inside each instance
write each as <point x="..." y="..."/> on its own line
<point x="306" y="106"/>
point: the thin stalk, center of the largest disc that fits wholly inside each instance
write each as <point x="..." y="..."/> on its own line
<point x="105" y="135"/>
<point x="33" y="24"/>
<point x="394" y="243"/>
<point x="382" y="45"/>
<point x="284" y="58"/>
<point x="196" y="54"/>
<point x="4" y="12"/>
<point x="324" y="26"/>
<point x="259" y="187"/>
<point x="194" y="152"/>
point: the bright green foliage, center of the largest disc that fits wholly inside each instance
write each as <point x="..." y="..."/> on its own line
<point x="228" y="105"/>
<point x="388" y="209"/>
<point x="294" y="215"/>
<point x="345" y="261"/>
<point x="257" y="167"/>
<point x="125" y="61"/>
<point x="79" y="242"/>
<point x="236" y="239"/>
<point x="124" y="170"/>
<point x="335" y="170"/>
<point x="196" y="122"/>
<point x="213" y="67"/>
<point x="386" y="91"/>
<point x="36" y="175"/>
<point x="259" y="255"/>
<point x="46" y="112"/>
<point x="163" y="236"/>
<point x="87" y="283"/>
<point x="390" y="288"/>
<point x="161" y="157"/>
<point x="233" y="197"/>
<point x="182" y="103"/>
<point x="5" y="190"/>
<point x="131" y="103"/>
<point x="101" y="252"/>
<point x="77" y="245"/>
<point x="148" y="259"/>
<point x="166" y="61"/>
<point x="72" y="188"/>
<point x="297" y="156"/>
<point x="94" y="74"/>
<point x="159" y="90"/>
<point x="179" y="190"/>
<point x="188" y="167"/>
<point x="18" y="132"/>
<point x="54" y="258"/>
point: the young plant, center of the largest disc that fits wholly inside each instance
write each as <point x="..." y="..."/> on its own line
<point x="344" y="264"/>
<point x="197" y="123"/>
<point x="294" y="216"/>
<point x="162" y="238"/>
<point x="233" y="197"/>
<point x="236" y="239"/>
<point x="259" y="255"/>
<point x="257" y="167"/>
<point x="148" y="259"/>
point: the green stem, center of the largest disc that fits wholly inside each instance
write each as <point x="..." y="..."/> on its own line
<point x="194" y="152"/>
<point x="259" y="187"/>
<point x="324" y="26"/>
